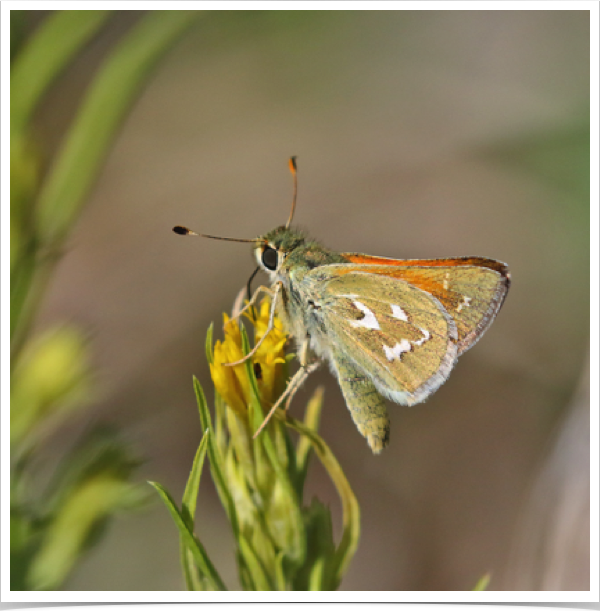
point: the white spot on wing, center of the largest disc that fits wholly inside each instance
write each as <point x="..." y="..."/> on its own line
<point x="426" y="336"/>
<point x="396" y="352"/>
<point x="446" y="280"/>
<point x="368" y="321"/>
<point x="398" y="312"/>
<point x="465" y="303"/>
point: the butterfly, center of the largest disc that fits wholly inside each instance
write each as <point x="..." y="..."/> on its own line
<point x="389" y="328"/>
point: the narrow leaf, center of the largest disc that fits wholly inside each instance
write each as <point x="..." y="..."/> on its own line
<point x="191" y="541"/>
<point x="483" y="583"/>
<point x="216" y="465"/>
<point x="254" y="566"/>
<point x="297" y="549"/>
<point x="350" y="507"/>
<point x="280" y="573"/>
<point x="315" y="583"/>
<point x="311" y="421"/>
<point x="209" y="344"/>
<point x="106" y="104"/>
<point x="190" y="494"/>
<point x="49" y="51"/>
<point x="188" y="511"/>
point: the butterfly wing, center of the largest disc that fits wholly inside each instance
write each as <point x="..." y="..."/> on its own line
<point x="471" y="289"/>
<point x="397" y="334"/>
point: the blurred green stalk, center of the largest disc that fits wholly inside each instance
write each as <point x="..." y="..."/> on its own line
<point x="106" y="104"/>
<point x="51" y="373"/>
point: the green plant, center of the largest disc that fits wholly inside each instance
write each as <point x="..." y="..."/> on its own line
<point x="280" y="543"/>
<point x="50" y="372"/>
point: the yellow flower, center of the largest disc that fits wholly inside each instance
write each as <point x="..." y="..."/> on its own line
<point x="232" y="382"/>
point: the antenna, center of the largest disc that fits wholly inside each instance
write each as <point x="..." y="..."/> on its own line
<point x="180" y="230"/>
<point x="293" y="170"/>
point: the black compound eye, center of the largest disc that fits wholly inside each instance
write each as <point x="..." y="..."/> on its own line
<point x="270" y="258"/>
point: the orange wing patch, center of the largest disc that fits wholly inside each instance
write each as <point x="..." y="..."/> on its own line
<point x="361" y="259"/>
<point x="471" y="289"/>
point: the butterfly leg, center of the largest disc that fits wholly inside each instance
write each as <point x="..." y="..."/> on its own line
<point x="367" y="407"/>
<point x="294" y="384"/>
<point x="238" y="310"/>
<point x="305" y="370"/>
<point x="269" y="328"/>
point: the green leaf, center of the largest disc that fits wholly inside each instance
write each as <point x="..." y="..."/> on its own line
<point x="321" y="556"/>
<point x="53" y="46"/>
<point x="296" y="547"/>
<point x="257" y="573"/>
<point x="216" y="464"/>
<point x="188" y="511"/>
<point x="190" y="494"/>
<point x="201" y="558"/>
<point x="279" y="572"/>
<point x="52" y="375"/>
<point x="483" y="583"/>
<point x="78" y="164"/>
<point x="350" y="507"/>
<point x="311" y="421"/>
<point x="315" y="583"/>
<point x="100" y="451"/>
<point x="209" y="344"/>
<point x="240" y="442"/>
<point x="106" y="104"/>
<point x="65" y="537"/>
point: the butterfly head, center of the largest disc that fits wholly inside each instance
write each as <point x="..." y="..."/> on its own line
<point x="272" y="249"/>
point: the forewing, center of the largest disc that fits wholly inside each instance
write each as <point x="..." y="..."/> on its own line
<point x="471" y="289"/>
<point x="396" y="333"/>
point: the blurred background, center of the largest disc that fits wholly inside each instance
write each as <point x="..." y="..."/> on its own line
<point x="419" y="134"/>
